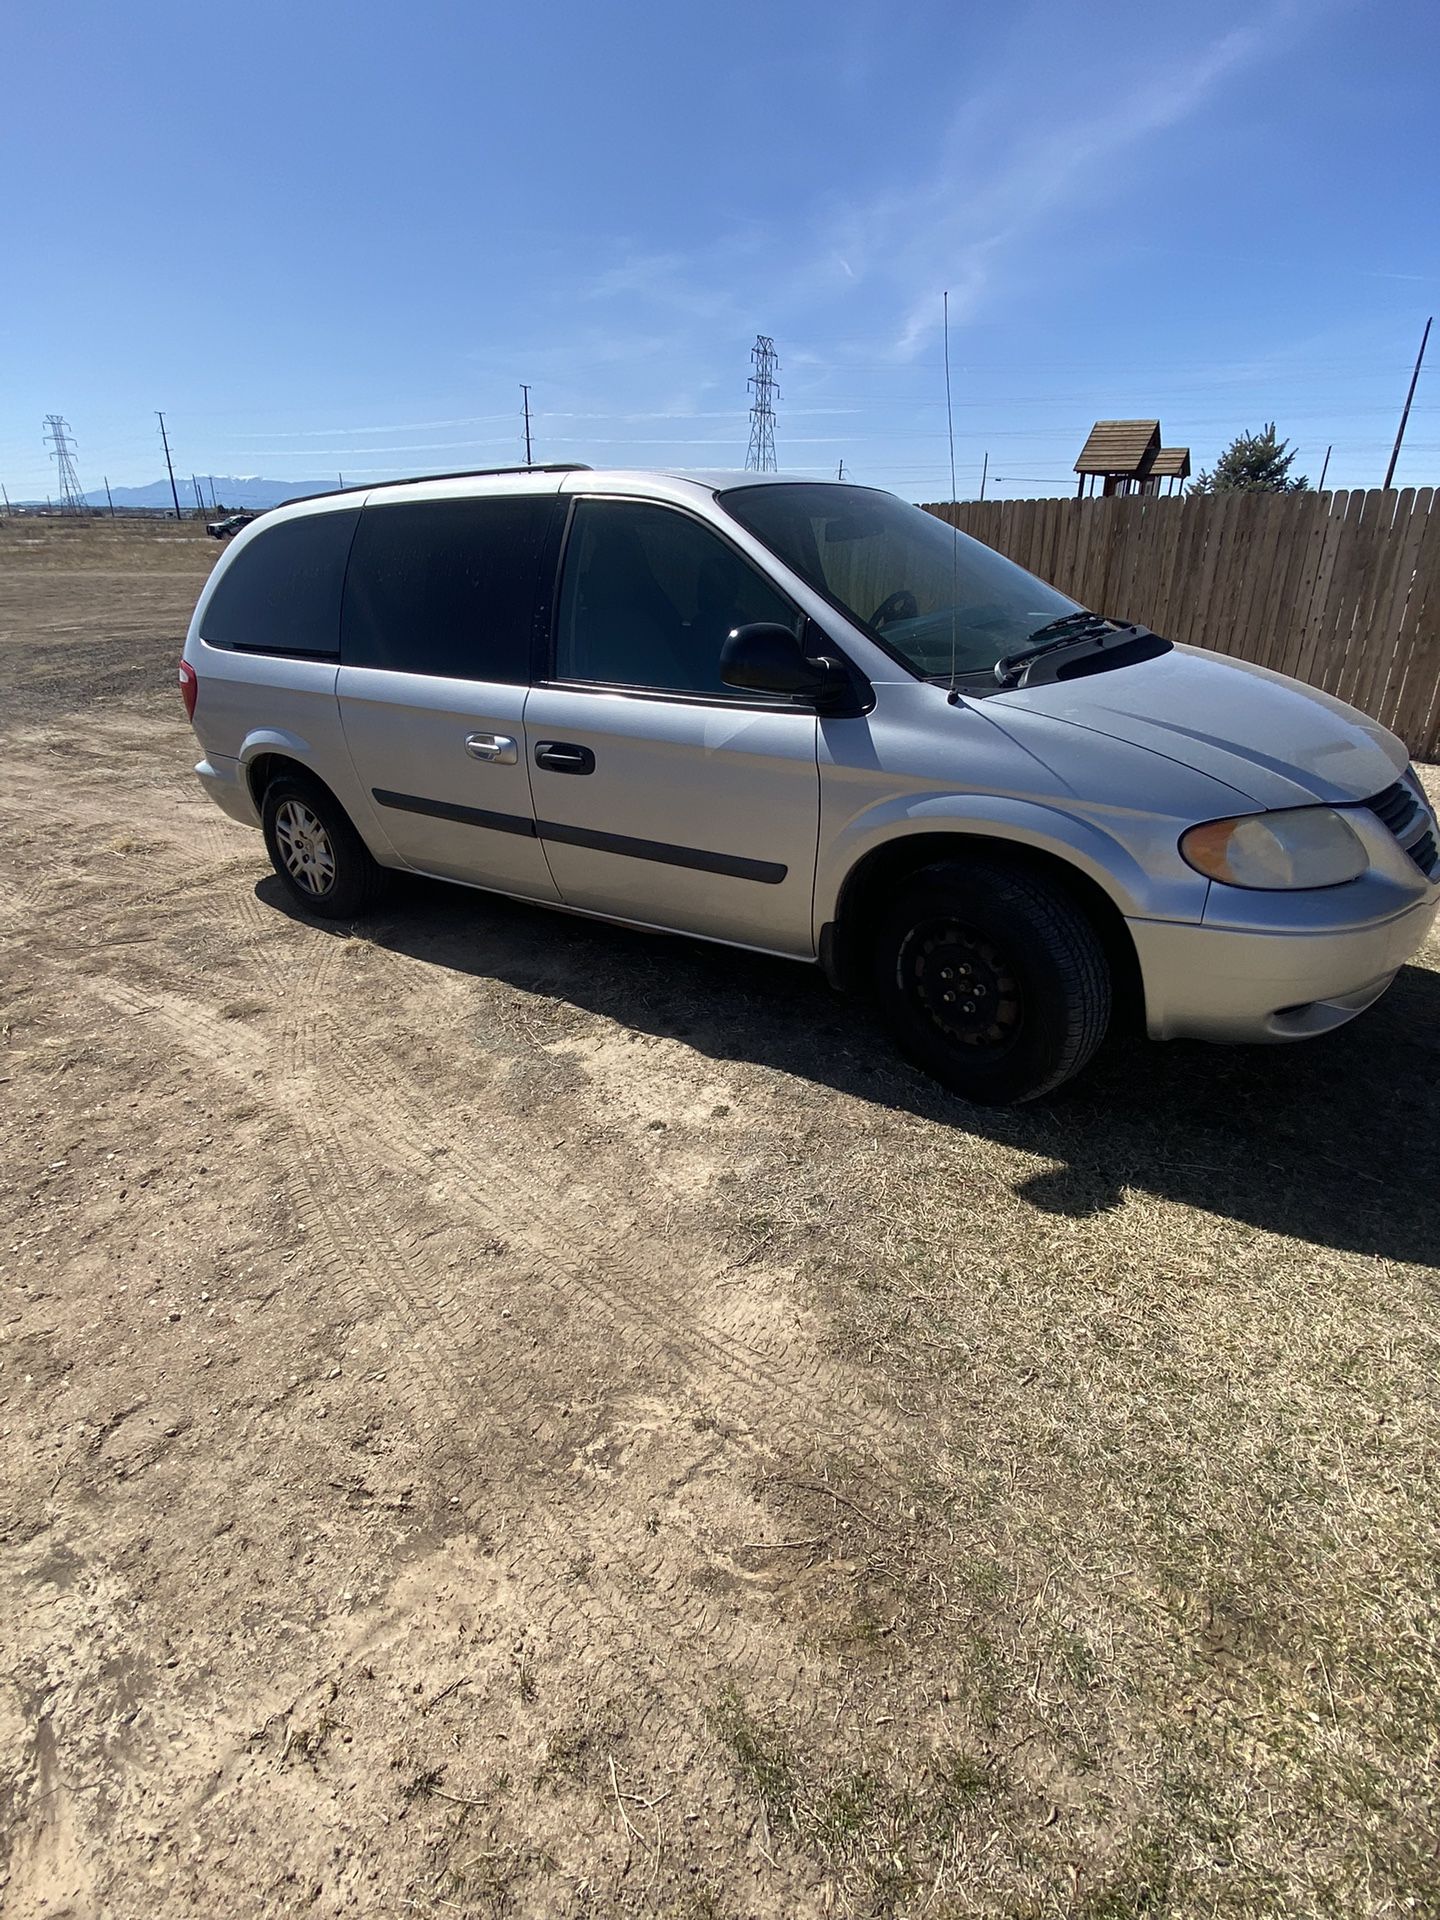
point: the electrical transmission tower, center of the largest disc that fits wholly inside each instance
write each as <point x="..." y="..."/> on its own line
<point x="761" y="456"/>
<point x="62" y="451"/>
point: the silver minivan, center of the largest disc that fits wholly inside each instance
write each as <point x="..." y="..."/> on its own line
<point x="809" y="719"/>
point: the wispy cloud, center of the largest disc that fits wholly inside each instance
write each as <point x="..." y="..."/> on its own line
<point x="670" y="282"/>
<point x="403" y="426"/>
<point x="959" y="228"/>
<point x="998" y="177"/>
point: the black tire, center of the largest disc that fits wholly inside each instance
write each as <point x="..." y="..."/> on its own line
<point x="326" y="867"/>
<point x="967" y="939"/>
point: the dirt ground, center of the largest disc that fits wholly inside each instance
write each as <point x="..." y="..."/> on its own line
<point x="504" y="1416"/>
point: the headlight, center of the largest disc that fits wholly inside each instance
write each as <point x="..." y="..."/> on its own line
<point x="1302" y="847"/>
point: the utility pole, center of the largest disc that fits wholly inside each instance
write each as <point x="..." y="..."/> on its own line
<point x="1390" y="470"/>
<point x="164" y="441"/>
<point x="6" y="498"/>
<point x="526" y="392"/>
<point x="984" y="473"/>
<point x="211" y="478"/>
<point x="108" y="495"/>
<point x="1325" y="468"/>
<point x="199" y="497"/>
<point x="841" y="474"/>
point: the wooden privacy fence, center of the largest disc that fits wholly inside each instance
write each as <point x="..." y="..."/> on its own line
<point x="1340" y="589"/>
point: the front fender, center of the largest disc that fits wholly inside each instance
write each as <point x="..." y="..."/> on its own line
<point x="1144" y="882"/>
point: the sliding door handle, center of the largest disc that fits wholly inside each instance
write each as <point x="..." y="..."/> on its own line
<point x="563" y="756"/>
<point x="498" y="748"/>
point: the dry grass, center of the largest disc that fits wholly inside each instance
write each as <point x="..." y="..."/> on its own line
<point x="1168" y="1570"/>
<point x="98" y="543"/>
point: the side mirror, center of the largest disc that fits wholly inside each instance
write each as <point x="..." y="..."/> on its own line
<point x="765" y="657"/>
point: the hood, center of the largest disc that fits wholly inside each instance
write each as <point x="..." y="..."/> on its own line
<point x="1277" y="742"/>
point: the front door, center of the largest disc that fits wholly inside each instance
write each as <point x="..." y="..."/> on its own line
<point x="435" y="664"/>
<point x="661" y="795"/>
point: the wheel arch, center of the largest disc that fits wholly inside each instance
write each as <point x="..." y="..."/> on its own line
<point x="270" y="763"/>
<point x="879" y="871"/>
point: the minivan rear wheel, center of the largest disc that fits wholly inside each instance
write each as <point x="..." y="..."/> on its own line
<point x="991" y="978"/>
<point x="325" y="865"/>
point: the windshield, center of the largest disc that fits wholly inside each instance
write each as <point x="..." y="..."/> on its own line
<point x="903" y="574"/>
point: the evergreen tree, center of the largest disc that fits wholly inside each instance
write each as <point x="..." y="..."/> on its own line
<point x="1253" y="463"/>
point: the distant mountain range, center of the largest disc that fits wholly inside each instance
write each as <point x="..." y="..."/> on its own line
<point x="231" y="491"/>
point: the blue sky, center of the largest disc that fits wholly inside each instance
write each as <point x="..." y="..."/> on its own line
<point x="336" y="238"/>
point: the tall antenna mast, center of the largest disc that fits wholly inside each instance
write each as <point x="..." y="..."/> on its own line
<point x="62" y="451"/>
<point x="761" y="455"/>
<point x="954" y="529"/>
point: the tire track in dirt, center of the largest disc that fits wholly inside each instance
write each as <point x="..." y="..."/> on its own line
<point x="228" y="1044"/>
<point x="665" y="1306"/>
<point x="641" y="1607"/>
<point x="553" y="1549"/>
<point x="662" y="1302"/>
<point x="614" y="1617"/>
<point x="796" y="1396"/>
<point x="655" y="1326"/>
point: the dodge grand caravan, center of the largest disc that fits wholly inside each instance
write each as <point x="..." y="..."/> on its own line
<point x="808" y="719"/>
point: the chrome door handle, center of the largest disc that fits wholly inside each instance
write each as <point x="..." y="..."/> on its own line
<point x="498" y="748"/>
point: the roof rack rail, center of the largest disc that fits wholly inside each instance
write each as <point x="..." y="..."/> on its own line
<point x="464" y="473"/>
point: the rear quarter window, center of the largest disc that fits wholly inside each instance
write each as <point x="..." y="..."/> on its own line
<point x="281" y="592"/>
<point x="446" y="587"/>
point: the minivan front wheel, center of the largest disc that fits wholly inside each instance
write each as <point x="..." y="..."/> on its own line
<point x="325" y="865"/>
<point x="991" y="978"/>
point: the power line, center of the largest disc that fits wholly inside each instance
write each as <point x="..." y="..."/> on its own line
<point x="62" y="452"/>
<point x="760" y="455"/>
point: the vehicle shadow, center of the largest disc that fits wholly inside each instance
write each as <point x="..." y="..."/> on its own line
<point x="1332" y="1141"/>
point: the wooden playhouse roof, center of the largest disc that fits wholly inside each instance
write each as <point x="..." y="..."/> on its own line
<point x="1171" y="463"/>
<point x="1120" y="446"/>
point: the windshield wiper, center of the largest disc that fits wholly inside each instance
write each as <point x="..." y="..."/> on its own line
<point x="1070" y="630"/>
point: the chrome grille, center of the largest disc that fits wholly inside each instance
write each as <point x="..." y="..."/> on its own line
<point x="1403" y="810"/>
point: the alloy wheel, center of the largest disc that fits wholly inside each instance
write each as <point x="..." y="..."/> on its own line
<point x="305" y="847"/>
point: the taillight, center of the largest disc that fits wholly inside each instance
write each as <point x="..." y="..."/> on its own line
<point x="189" y="687"/>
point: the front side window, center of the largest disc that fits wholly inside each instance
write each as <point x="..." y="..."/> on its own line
<point x="648" y="596"/>
<point x="446" y="587"/>
<point x="932" y="596"/>
<point x="281" y="591"/>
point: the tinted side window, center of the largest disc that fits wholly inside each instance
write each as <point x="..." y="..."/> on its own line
<point x="648" y="596"/>
<point x="281" y="593"/>
<point x="446" y="587"/>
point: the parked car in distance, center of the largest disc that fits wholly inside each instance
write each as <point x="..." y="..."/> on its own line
<point x="231" y="524"/>
<point x="808" y="719"/>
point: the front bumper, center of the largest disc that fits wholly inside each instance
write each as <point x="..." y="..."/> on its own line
<point x="224" y="780"/>
<point x="1206" y="982"/>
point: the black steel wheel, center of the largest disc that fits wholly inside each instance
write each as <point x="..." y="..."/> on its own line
<point x="991" y="978"/>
